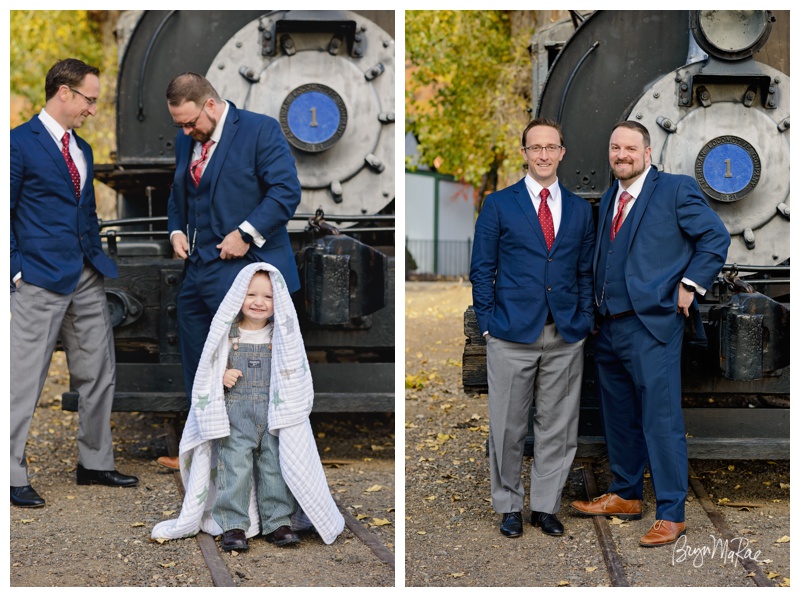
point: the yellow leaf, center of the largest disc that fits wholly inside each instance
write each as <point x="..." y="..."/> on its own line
<point x="361" y="516"/>
<point x="421" y="533"/>
<point x="137" y="524"/>
<point x="771" y="575"/>
<point x="615" y="520"/>
<point x="731" y="467"/>
<point x="374" y="488"/>
<point x="591" y="568"/>
<point x="70" y="497"/>
<point x="321" y="435"/>
<point x="379" y="522"/>
<point x="27" y="520"/>
<point x="784" y="486"/>
<point x="168" y="512"/>
<point x="431" y="497"/>
<point x="161" y="541"/>
<point x="457" y="574"/>
<point x="170" y="565"/>
<point x="563" y="583"/>
<point x="785" y="582"/>
<point x="784" y="539"/>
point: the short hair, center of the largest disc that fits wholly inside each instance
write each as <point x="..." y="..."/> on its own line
<point x="190" y="87"/>
<point x="634" y="126"/>
<point x="543" y="122"/>
<point x="70" y="72"/>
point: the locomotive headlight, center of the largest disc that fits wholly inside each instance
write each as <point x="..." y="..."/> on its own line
<point x="731" y="34"/>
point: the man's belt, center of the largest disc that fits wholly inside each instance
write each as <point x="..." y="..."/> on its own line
<point x="621" y="315"/>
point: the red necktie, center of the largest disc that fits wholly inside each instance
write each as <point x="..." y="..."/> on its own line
<point x="616" y="223"/>
<point x="73" y="169"/>
<point x="199" y="164"/>
<point x="546" y="219"/>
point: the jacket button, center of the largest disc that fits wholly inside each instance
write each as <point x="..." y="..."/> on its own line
<point x="549" y="289"/>
<point x="549" y="258"/>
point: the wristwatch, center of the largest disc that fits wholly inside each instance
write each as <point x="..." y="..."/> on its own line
<point x="245" y="237"/>
<point x="688" y="287"/>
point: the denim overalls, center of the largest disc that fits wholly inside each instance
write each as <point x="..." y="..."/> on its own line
<point x="250" y="448"/>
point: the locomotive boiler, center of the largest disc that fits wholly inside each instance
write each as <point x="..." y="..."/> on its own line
<point x="716" y="111"/>
<point x="328" y="78"/>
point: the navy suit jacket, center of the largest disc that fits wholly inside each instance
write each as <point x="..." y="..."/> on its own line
<point x="675" y="234"/>
<point x="253" y="178"/>
<point x="51" y="230"/>
<point x="516" y="280"/>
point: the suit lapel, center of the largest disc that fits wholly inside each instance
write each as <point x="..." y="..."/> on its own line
<point x="523" y="198"/>
<point x="566" y="213"/>
<point x="221" y="152"/>
<point x="641" y="203"/>
<point x="53" y="151"/>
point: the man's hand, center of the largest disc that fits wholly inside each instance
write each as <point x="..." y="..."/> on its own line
<point x="233" y="246"/>
<point x="685" y="299"/>
<point x="17" y="282"/>
<point x="180" y="244"/>
<point x="230" y="377"/>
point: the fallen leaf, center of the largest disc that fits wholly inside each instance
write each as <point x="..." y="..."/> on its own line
<point x="784" y="539"/>
<point x="137" y="524"/>
<point x="27" y="520"/>
<point x="379" y="522"/>
<point x="70" y="497"/>
<point x="563" y="583"/>
<point x="361" y="516"/>
<point x="591" y="568"/>
<point x="170" y="565"/>
<point x="374" y="488"/>
<point x="615" y="520"/>
<point x="731" y="467"/>
<point x="168" y="513"/>
<point x="457" y="574"/>
<point x="771" y="575"/>
<point x="785" y="582"/>
<point x="784" y="486"/>
<point x="421" y="533"/>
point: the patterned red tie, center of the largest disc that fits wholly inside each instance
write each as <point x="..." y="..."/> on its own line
<point x="73" y="169"/>
<point x="199" y="164"/>
<point x="546" y="219"/>
<point x="616" y="223"/>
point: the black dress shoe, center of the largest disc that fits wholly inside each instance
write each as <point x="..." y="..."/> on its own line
<point x="549" y="523"/>
<point x="234" y="540"/>
<point x="26" y="497"/>
<point x="283" y="536"/>
<point x="111" y="478"/>
<point x="512" y="524"/>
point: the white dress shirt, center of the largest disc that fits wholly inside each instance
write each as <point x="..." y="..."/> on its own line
<point x="554" y="202"/>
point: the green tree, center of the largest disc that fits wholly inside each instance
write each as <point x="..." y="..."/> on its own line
<point x="39" y="38"/>
<point x="468" y="93"/>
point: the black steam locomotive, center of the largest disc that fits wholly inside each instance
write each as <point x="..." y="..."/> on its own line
<point x="716" y="113"/>
<point x="328" y="78"/>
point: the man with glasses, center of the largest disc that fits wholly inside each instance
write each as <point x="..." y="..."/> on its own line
<point x="234" y="191"/>
<point x="57" y="269"/>
<point x="531" y="277"/>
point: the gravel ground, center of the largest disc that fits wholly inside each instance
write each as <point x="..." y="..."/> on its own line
<point x="100" y="536"/>
<point x="452" y="536"/>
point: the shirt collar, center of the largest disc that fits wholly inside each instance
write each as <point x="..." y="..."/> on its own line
<point x="220" y="125"/>
<point x="51" y="124"/>
<point x="635" y="188"/>
<point x="535" y="189"/>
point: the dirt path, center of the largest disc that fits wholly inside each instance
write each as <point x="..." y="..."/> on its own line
<point x="452" y="536"/>
<point x="100" y="536"/>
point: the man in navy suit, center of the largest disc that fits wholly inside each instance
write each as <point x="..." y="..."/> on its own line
<point x="659" y="244"/>
<point x="234" y="191"/>
<point x="531" y="277"/>
<point x="57" y="269"/>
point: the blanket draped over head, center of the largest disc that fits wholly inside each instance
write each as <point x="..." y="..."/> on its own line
<point x="290" y="402"/>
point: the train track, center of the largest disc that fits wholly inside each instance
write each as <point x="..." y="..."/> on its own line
<point x="611" y="555"/>
<point x="221" y="575"/>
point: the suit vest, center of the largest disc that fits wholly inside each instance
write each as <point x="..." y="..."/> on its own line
<point x="609" y="280"/>
<point x="201" y="236"/>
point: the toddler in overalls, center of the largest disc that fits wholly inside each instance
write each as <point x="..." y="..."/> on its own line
<point x="248" y="458"/>
<point x="250" y="448"/>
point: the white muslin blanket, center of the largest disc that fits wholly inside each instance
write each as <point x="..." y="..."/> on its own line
<point x="291" y="399"/>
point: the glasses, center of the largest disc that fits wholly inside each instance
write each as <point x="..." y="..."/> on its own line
<point x="191" y="124"/>
<point x="92" y="101"/>
<point x="535" y="149"/>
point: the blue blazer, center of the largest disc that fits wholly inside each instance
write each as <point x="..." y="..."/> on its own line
<point x="675" y="234"/>
<point x="51" y="231"/>
<point x="515" y="280"/>
<point x="253" y="178"/>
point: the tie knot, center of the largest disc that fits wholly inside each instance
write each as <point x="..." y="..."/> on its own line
<point x="545" y="194"/>
<point x="65" y="140"/>
<point x="625" y="197"/>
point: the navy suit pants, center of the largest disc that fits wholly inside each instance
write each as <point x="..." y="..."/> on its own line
<point x="639" y="380"/>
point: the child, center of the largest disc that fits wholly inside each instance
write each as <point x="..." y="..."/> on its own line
<point x="252" y="394"/>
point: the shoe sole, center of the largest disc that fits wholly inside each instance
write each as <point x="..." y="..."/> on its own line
<point x="609" y="514"/>
<point x="681" y="534"/>
<point x="172" y="468"/>
<point x="245" y="548"/>
<point x="105" y="484"/>
<point x="284" y="543"/>
<point x="561" y="534"/>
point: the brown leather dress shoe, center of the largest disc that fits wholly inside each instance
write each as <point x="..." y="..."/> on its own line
<point x="663" y="532"/>
<point x="171" y="462"/>
<point x="610" y="504"/>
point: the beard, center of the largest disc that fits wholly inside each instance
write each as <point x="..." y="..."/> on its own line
<point x="202" y="137"/>
<point x="627" y="170"/>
